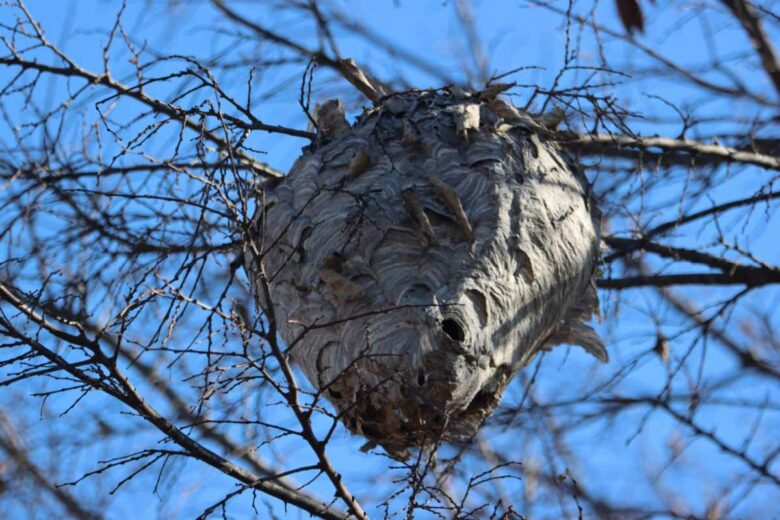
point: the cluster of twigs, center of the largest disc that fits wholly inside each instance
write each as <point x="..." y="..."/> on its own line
<point x="128" y="192"/>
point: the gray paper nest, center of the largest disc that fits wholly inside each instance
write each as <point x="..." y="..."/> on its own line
<point x="418" y="259"/>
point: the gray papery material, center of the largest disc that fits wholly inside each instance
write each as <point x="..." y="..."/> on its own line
<point x="417" y="260"/>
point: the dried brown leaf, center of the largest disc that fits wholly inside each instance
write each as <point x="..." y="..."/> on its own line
<point x="631" y="15"/>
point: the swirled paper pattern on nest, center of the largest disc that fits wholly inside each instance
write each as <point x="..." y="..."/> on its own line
<point x="418" y="259"/>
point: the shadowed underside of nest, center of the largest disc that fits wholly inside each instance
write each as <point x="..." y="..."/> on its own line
<point x="418" y="259"/>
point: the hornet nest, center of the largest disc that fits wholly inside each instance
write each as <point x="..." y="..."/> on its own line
<point x="418" y="259"/>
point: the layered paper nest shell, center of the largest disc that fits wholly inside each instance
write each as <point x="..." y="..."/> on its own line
<point x="419" y="258"/>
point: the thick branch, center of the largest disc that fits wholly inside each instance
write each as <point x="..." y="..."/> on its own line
<point x="689" y="255"/>
<point x="666" y="150"/>
<point x="751" y="276"/>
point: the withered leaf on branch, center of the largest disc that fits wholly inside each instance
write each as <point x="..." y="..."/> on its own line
<point x="631" y="15"/>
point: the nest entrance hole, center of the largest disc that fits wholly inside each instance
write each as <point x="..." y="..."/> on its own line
<point x="453" y="329"/>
